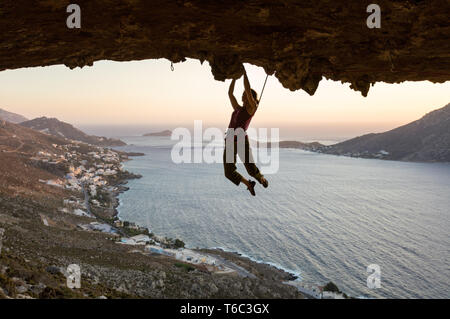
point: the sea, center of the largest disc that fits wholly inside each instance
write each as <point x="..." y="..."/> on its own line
<point x="323" y="217"/>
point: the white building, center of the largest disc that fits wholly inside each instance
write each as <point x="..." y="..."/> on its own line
<point x="93" y="190"/>
<point x="141" y="239"/>
<point x="109" y="172"/>
<point x="332" y="295"/>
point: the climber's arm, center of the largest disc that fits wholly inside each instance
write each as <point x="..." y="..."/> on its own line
<point x="252" y="103"/>
<point x="233" y="100"/>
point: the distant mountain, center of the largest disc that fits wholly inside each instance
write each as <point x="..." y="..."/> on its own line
<point x="11" y="117"/>
<point x="57" y="128"/>
<point x="17" y="139"/>
<point x="162" y="133"/>
<point x="427" y="139"/>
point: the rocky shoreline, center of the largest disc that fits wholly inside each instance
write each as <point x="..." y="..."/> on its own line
<point x="258" y="268"/>
<point x="56" y="199"/>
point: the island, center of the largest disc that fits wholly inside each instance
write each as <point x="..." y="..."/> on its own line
<point x="162" y="133"/>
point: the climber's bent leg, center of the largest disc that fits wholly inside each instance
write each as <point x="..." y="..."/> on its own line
<point x="229" y="165"/>
<point x="231" y="173"/>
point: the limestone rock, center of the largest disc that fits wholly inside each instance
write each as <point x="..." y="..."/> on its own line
<point x="299" y="41"/>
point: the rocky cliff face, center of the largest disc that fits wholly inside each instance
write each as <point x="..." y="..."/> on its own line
<point x="299" y="41"/>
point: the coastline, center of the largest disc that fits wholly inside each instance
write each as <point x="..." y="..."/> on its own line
<point x="119" y="184"/>
<point x="284" y="275"/>
<point x="72" y="218"/>
<point x="230" y="255"/>
<point x="295" y="275"/>
<point x="43" y="236"/>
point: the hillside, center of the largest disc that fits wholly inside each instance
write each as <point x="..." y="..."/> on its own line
<point x="18" y="176"/>
<point x="427" y="139"/>
<point x="53" y="126"/>
<point x="17" y="139"/>
<point x="11" y="117"/>
<point x="43" y="232"/>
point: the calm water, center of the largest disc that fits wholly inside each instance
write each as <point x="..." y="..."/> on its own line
<point x="323" y="217"/>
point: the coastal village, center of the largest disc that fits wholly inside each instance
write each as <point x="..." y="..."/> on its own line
<point x="64" y="194"/>
<point x="96" y="173"/>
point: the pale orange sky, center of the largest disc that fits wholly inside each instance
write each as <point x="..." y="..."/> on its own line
<point x="149" y="93"/>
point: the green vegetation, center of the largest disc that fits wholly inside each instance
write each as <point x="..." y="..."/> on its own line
<point x="8" y="285"/>
<point x="134" y="232"/>
<point x="173" y="243"/>
<point x="19" y="272"/>
<point x="179" y="243"/>
<point x="331" y="287"/>
<point x="184" y="266"/>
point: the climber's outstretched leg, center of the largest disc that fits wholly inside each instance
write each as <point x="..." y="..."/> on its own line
<point x="249" y="163"/>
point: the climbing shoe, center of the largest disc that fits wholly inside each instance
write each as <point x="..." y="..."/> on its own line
<point x="251" y="188"/>
<point x="264" y="182"/>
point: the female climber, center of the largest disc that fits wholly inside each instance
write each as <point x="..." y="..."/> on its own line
<point x="240" y="120"/>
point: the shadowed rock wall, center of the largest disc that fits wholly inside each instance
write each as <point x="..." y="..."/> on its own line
<point x="300" y="41"/>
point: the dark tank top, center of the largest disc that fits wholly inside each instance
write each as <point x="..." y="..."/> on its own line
<point x="240" y="118"/>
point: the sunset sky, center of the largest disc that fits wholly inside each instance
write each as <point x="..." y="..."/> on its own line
<point x="149" y="94"/>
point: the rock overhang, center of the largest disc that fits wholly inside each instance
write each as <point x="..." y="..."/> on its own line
<point x="300" y="42"/>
